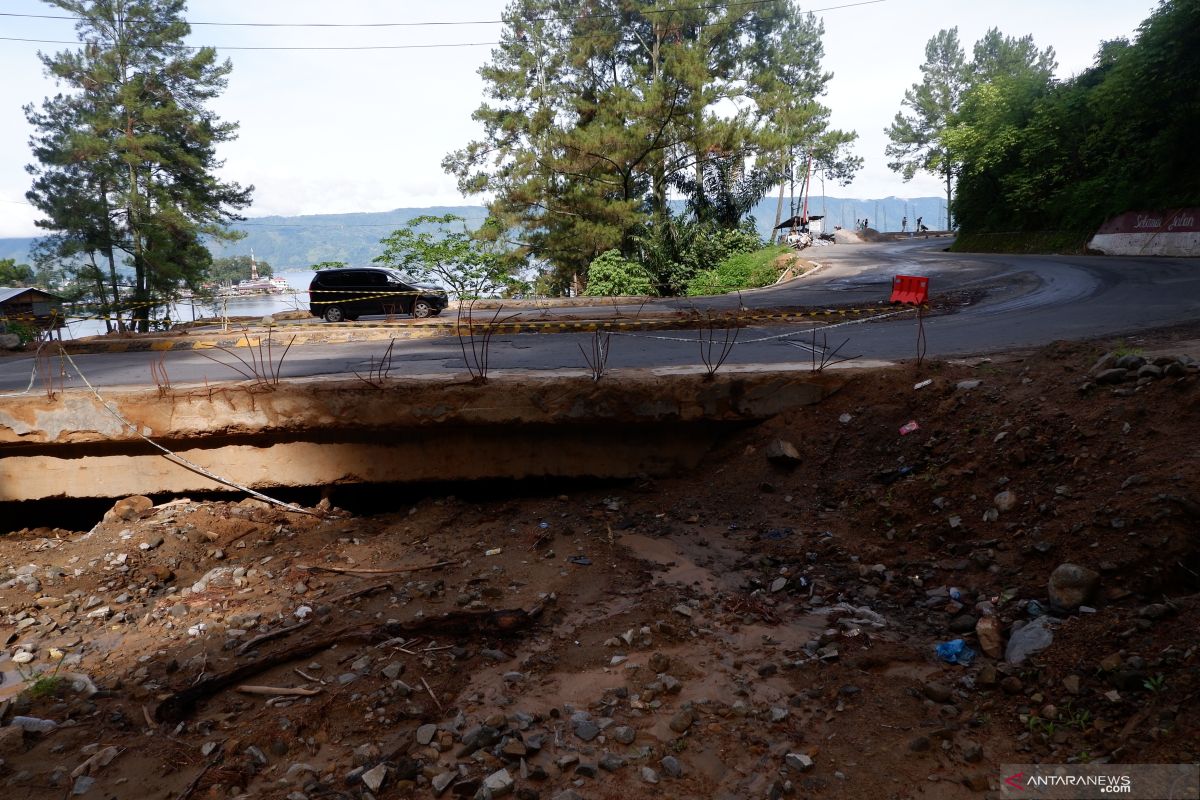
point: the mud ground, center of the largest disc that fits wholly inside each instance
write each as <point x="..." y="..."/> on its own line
<point x="764" y="626"/>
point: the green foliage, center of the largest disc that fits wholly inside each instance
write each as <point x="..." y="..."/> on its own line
<point x="612" y="275"/>
<point x="328" y="265"/>
<point x="232" y="269"/>
<point x="1037" y="155"/>
<point x="915" y="145"/>
<point x="596" y="110"/>
<point x="1155" y="684"/>
<point x="24" y="331"/>
<point x="675" y="249"/>
<point x="443" y="248"/>
<point x="126" y="154"/>
<point x="740" y="271"/>
<point x="15" y="275"/>
<point x="45" y="687"/>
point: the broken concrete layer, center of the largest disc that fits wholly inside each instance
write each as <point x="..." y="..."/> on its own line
<point x="322" y="431"/>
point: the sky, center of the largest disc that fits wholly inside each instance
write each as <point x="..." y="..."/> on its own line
<point x="345" y="131"/>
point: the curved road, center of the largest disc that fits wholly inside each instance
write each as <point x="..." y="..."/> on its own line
<point x="1027" y="301"/>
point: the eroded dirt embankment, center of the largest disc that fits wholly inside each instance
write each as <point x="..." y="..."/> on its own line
<point x="321" y="432"/>
<point x="759" y="626"/>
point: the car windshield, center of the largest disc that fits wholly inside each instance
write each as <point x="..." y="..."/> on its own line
<point x="397" y="275"/>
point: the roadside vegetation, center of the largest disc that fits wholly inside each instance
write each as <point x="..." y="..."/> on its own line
<point x="740" y="271"/>
<point x="1033" y="163"/>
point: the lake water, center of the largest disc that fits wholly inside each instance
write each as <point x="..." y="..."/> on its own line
<point x="252" y="306"/>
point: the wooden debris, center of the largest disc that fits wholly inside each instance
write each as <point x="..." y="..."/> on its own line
<point x="278" y="691"/>
<point x="506" y="622"/>
<point x="366" y="571"/>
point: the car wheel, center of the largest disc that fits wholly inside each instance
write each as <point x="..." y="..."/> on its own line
<point x="422" y="309"/>
<point x="334" y="314"/>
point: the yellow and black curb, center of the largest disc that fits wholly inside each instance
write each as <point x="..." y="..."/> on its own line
<point x="347" y="332"/>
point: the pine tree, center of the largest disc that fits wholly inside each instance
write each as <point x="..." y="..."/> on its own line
<point x="597" y="109"/>
<point x="126" y="156"/>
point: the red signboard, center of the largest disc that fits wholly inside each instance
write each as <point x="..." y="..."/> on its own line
<point x="1179" y="220"/>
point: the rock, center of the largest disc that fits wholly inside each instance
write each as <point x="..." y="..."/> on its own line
<point x="782" y="452"/>
<point x="610" y="762"/>
<point x="499" y="783"/>
<point x="966" y="386"/>
<point x="83" y="784"/>
<point x="986" y="676"/>
<point x="672" y="767"/>
<point x="1005" y="501"/>
<point x="440" y="782"/>
<point x="10" y="341"/>
<point x="624" y="734"/>
<point x="937" y="692"/>
<point x="425" y="733"/>
<point x="585" y="769"/>
<point x="374" y="777"/>
<point x="659" y="663"/>
<point x="963" y="623"/>
<point x="514" y="748"/>
<point x="1071" y="684"/>
<point x="1149" y="371"/>
<point x="800" y="762"/>
<point x="991" y="640"/>
<point x="1030" y="638"/>
<point x="683" y="610"/>
<point x="649" y="775"/>
<point x="1130" y="361"/>
<point x="1111" y="376"/>
<point x="129" y="508"/>
<point x="586" y="730"/>
<point x="1155" y="611"/>
<point x="682" y="721"/>
<point x="12" y="741"/>
<point x="1012" y="685"/>
<point x="568" y="794"/>
<point x="1072" y="585"/>
<point x="972" y="752"/>
<point x="920" y="744"/>
<point x="393" y="670"/>
<point x="779" y="584"/>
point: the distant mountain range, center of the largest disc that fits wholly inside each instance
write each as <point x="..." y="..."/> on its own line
<point x="298" y="242"/>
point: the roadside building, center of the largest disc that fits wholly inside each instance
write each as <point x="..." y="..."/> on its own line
<point x="29" y="307"/>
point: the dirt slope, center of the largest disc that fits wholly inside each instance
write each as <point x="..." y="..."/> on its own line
<point x="763" y="627"/>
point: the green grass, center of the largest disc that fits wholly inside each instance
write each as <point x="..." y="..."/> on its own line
<point x="1061" y="242"/>
<point x="741" y="271"/>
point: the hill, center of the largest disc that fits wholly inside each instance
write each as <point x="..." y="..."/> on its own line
<point x="298" y="242"/>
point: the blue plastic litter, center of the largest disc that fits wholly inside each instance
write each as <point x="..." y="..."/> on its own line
<point x="582" y="561"/>
<point x="955" y="594"/>
<point x="776" y="534"/>
<point x="1034" y="609"/>
<point x="955" y="651"/>
<point x="543" y="525"/>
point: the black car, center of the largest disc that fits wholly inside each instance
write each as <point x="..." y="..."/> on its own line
<point x="353" y="292"/>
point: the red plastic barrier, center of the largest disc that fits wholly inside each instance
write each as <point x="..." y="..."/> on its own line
<point x="910" y="289"/>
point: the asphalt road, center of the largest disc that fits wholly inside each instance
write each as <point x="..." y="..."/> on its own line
<point x="1026" y="301"/>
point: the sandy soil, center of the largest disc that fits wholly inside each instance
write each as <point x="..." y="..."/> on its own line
<point x="762" y="627"/>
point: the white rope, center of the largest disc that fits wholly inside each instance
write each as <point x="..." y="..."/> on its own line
<point x="767" y="338"/>
<point x="32" y="375"/>
<point x="178" y="459"/>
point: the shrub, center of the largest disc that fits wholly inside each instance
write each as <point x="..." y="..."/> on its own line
<point x="611" y="274"/>
<point x="739" y="271"/>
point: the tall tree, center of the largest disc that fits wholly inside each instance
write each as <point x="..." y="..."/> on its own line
<point x="597" y="109"/>
<point x="915" y="134"/>
<point x="126" y="156"/>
